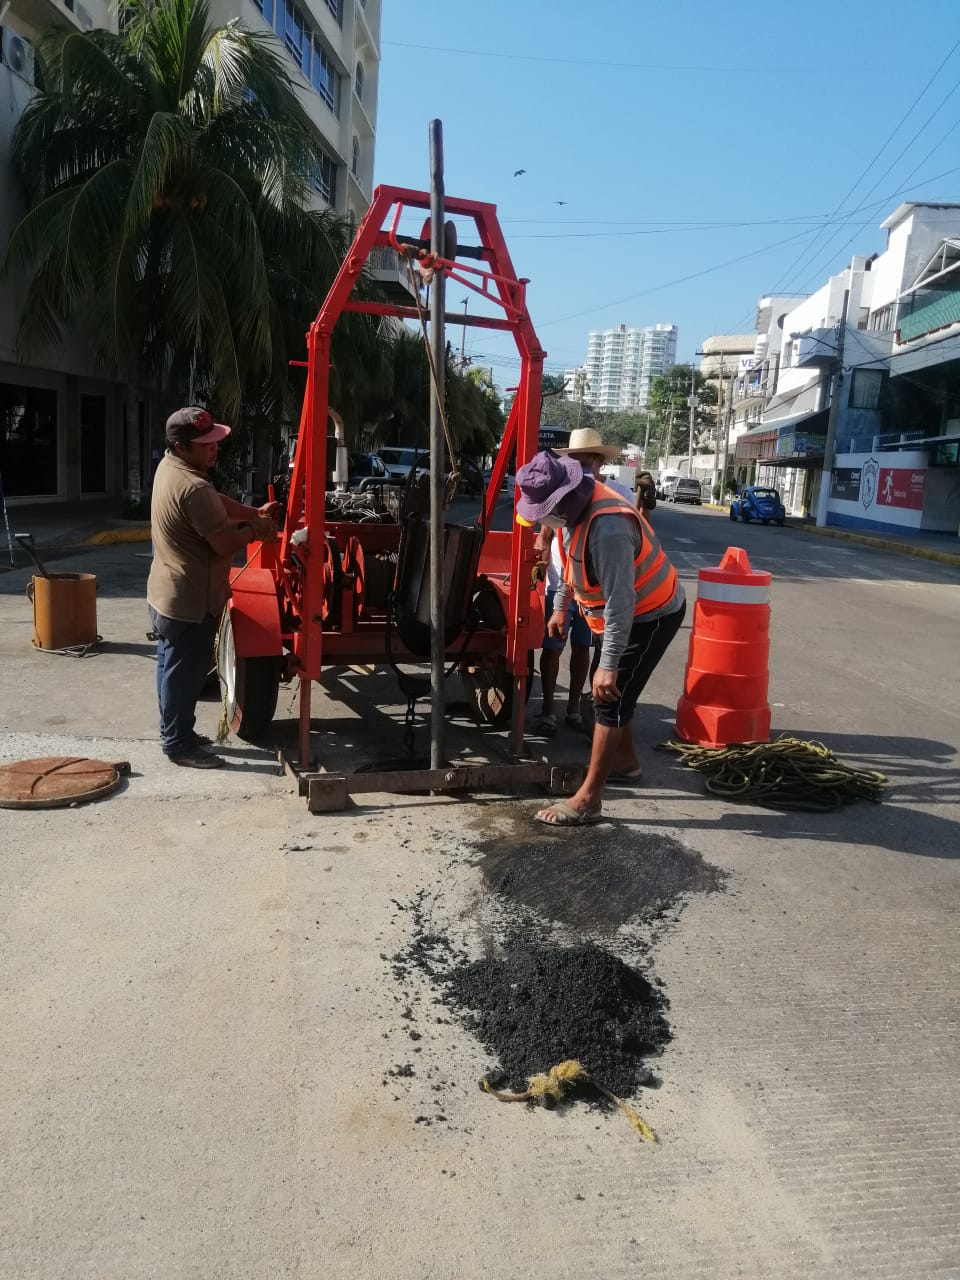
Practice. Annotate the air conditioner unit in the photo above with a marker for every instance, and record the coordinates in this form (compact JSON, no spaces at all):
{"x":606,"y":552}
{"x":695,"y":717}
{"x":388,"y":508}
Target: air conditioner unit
{"x":18,"y":54}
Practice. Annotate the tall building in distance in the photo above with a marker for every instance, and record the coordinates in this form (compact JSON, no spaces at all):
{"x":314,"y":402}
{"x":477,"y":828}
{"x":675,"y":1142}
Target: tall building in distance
{"x":622,"y":364}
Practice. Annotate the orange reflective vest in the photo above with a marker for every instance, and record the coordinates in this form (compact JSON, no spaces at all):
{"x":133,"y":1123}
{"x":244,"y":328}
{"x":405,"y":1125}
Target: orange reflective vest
{"x":655,"y":578}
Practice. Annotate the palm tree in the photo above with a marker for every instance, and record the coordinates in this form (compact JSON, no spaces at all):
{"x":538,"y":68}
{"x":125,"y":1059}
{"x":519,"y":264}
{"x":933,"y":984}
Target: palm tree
{"x":167,"y":172}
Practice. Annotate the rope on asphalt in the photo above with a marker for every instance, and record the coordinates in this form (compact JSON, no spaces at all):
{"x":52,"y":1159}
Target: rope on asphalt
{"x":787,"y":774}
{"x":550,"y":1087}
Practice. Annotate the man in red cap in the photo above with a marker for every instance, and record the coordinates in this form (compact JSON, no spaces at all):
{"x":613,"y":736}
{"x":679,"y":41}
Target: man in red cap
{"x":196,"y":532}
{"x":630,"y":596}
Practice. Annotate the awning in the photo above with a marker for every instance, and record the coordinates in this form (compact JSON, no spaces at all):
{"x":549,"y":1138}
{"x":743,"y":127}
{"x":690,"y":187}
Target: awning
{"x":791,"y":404}
{"x":796,"y":441}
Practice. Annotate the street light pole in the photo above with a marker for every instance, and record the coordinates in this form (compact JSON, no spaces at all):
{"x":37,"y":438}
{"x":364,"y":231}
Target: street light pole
{"x":463,"y":338}
{"x":829,"y":445}
{"x":693,"y":410}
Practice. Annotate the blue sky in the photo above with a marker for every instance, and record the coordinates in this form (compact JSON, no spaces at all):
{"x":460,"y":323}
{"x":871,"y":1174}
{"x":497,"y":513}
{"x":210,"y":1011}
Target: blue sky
{"x":681,"y":135}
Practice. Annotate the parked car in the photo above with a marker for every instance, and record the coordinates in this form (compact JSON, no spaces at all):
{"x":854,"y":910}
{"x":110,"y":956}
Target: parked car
{"x":686,"y":489}
{"x":400,"y":461}
{"x":758,"y":503}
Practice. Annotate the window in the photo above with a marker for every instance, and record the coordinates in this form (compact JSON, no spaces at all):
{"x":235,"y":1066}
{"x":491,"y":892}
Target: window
{"x":28,"y":440}
{"x":324,"y":77}
{"x":336,"y":8}
{"x":325,"y":178}
{"x":355,"y":157}
{"x":266,"y":7}
{"x":358,"y":82}
{"x":865,"y":388}
{"x":295,"y":36}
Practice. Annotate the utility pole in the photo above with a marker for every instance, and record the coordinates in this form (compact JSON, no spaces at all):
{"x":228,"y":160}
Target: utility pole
{"x":716,"y":443}
{"x":692,"y":402}
{"x":463,"y":339}
{"x":829,"y":445}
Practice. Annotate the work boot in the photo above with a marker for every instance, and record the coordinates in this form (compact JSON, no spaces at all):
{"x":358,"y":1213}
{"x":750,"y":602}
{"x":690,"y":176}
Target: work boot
{"x":196,"y":758}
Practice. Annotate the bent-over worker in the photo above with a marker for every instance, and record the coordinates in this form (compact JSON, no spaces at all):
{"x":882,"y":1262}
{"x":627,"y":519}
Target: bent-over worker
{"x":629,"y":594}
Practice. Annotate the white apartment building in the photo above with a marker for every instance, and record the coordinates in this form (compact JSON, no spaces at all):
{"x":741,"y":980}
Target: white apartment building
{"x":622,"y":363}
{"x":61,"y":418}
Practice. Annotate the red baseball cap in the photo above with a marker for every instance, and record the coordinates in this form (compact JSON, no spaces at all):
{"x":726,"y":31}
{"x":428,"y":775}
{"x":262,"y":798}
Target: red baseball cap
{"x":194,"y":426}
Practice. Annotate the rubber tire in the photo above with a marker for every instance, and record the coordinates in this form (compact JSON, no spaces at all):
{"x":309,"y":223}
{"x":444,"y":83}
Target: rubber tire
{"x":733,"y":514}
{"x":779,"y":524}
{"x":744,"y":517}
{"x":250,"y":686}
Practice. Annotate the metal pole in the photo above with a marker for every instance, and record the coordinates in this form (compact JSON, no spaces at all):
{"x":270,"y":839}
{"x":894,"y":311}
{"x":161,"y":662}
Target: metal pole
{"x":693,"y":414}
{"x":829,"y":445}
{"x":726,"y":441}
{"x":463,"y":338}
{"x":716,"y":443}
{"x":437,"y":453}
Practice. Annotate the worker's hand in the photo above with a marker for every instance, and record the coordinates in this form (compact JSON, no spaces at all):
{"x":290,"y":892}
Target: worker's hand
{"x":262,"y":528}
{"x":272,"y":510}
{"x":605,"y":686}
{"x":557,"y":624}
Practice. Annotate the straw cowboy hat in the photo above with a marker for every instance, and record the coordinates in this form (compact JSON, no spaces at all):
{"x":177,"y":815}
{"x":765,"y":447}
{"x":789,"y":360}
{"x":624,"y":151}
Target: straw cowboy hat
{"x":586,"y":440}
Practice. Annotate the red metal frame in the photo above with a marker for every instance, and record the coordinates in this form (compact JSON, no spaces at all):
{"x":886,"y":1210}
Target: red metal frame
{"x":506,"y":558}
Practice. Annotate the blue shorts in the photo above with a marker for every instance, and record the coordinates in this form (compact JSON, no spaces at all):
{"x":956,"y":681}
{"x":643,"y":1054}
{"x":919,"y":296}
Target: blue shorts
{"x":577,"y":630}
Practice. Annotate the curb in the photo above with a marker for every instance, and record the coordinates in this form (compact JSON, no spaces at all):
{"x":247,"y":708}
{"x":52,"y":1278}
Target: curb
{"x":882,"y":544}
{"x":107,"y":536}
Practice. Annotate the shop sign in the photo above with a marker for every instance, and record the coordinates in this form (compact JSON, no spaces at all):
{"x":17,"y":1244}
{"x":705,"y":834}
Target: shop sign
{"x":845,"y":483}
{"x":901,"y":487}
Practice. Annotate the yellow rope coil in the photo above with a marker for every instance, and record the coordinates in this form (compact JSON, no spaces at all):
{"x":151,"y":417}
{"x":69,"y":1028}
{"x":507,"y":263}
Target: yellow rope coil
{"x":554,"y":1083}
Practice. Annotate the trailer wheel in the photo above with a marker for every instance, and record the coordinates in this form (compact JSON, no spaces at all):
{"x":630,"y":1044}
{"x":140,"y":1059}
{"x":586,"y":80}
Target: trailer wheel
{"x":489,"y":689}
{"x":250,"y":685}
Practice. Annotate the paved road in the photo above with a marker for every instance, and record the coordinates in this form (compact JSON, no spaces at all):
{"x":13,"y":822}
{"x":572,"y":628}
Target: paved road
{"x":198,"y":1019}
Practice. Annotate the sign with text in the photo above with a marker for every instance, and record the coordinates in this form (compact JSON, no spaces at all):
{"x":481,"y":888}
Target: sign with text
{"x":553,"y":438}
{"x":845,"y":483}
{"x":901,"y":487}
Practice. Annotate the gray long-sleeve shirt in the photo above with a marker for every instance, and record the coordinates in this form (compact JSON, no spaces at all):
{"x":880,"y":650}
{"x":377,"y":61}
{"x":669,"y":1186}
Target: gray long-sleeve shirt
{"x":613,"y":544}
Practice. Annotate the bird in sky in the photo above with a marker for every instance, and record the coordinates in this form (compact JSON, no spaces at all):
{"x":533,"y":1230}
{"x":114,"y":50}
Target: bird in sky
{"x":559,"y":202}
{"x":517,"y":172}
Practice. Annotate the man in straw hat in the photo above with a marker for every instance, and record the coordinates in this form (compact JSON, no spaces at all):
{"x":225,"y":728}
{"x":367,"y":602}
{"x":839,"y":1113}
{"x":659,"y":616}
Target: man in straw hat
{"x":587,"y":447}
{"x":630,"y":596}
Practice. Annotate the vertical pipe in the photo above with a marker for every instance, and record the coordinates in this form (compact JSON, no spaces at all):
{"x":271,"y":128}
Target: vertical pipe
{"x":437,"y":453}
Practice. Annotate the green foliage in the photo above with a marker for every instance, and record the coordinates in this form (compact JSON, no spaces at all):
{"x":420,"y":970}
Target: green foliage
{"x":669,"y":402}
{"x":166,"y":171}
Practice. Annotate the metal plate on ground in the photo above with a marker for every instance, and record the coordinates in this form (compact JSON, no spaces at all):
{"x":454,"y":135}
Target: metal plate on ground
{"x":53,"y":782}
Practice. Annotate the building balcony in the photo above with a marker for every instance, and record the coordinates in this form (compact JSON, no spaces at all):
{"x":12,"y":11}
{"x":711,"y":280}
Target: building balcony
{"x":924,"y":313}
{"x":30,"y":17}
{"x":816,"y":349}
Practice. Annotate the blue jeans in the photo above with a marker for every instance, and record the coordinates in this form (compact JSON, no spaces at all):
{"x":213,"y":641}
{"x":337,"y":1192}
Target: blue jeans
{"x":184,"y":656}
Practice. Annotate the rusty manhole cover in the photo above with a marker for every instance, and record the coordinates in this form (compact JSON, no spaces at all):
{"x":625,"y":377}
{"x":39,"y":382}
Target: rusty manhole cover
{"x":53,"y":782}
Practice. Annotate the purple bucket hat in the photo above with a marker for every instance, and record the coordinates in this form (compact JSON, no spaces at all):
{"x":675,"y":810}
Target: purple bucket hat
{"x":544,"y":482}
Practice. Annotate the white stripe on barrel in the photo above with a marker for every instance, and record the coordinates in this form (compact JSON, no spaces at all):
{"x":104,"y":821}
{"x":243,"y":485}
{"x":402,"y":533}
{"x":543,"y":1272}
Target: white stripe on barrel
{"x":732,"y":592}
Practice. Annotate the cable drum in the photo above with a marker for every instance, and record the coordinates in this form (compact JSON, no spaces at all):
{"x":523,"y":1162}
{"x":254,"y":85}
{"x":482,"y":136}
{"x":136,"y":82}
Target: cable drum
{"x":787,"y":774}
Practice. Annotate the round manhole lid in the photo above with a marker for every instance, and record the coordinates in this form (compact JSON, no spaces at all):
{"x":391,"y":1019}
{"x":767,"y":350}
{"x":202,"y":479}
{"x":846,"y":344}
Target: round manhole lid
{"x":52,"y":782}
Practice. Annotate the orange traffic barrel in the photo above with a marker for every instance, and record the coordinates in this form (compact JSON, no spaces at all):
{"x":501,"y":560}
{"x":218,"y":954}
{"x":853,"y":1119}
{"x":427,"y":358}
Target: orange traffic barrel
{"x":725,"y":687}
{"x":64,"y":610}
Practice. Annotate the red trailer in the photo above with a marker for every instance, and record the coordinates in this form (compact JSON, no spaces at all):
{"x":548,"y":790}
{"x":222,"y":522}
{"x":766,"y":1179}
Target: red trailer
{"x":322,"y":595}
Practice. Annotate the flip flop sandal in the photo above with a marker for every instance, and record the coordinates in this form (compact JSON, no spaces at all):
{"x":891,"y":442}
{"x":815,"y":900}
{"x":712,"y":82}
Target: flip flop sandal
{"x":575,"y":720}
{"x":546,"y":724}
{"x":566,"y":816}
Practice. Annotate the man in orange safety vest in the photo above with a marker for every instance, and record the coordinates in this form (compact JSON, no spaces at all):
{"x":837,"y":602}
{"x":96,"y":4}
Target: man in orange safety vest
{"x":630,"y":596}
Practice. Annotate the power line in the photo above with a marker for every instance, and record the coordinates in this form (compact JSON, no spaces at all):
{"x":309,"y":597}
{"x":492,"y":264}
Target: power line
{"x":725,"y":69}
{"x":787,"y":275}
